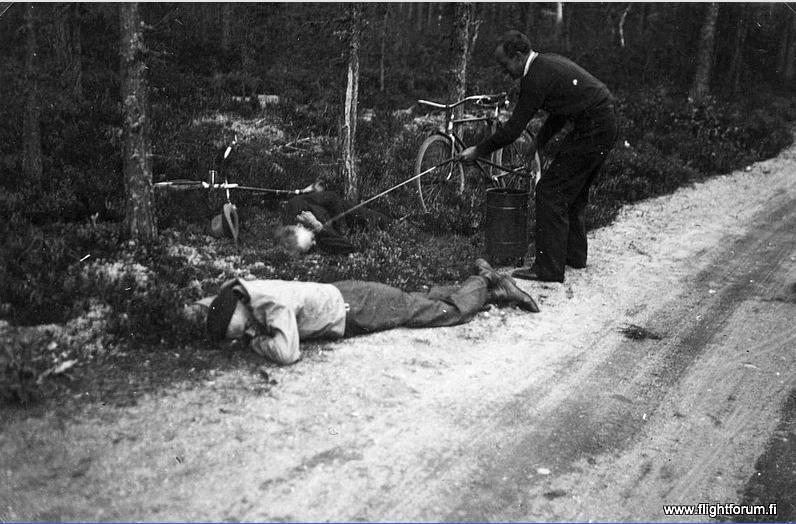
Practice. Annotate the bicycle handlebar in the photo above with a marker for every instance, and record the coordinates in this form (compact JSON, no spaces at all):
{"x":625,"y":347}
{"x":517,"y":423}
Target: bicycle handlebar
{"x":485,"y":100}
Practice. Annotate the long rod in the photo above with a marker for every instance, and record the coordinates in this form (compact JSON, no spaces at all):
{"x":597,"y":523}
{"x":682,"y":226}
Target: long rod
{"x":371,"y":199}
{"x":506,"y":170}
{"x":265,"y":190}
{"x":197,"y":184}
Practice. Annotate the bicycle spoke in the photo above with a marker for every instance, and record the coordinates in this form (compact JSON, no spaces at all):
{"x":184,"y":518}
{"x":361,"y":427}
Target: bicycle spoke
{"x":440,"y":187}
{"x":521,"y":160}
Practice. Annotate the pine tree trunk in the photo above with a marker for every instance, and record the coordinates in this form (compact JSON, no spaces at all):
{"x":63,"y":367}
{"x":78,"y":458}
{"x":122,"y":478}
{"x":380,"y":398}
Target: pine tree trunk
{"x":559,"y":24}
{"x":789,"y":71}
{"x":621,"y":26}
{"x":31,"y":125}
{"x":737,"y":64}
{"x":383,"y":45}
{"x":528,"y":6}
{"x":349,"y":130}
{"x":68,"y":47}
{"x":701,"y":86}
{"x":76,"y":78}
{"x":782,"y":52}
{"x":460,"y":42}
{"x":643,"y":22}
{"x":139,"y":215}
{"x":226,"y":26}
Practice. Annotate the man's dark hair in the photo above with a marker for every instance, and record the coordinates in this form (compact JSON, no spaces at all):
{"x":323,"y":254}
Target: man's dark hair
{"x":514,"y":42}
{"x":221,"y":310}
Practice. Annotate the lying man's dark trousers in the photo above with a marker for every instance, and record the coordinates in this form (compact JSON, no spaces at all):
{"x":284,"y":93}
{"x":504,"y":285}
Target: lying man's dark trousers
{"x":563,"y":192}
{"x":325,"y":205}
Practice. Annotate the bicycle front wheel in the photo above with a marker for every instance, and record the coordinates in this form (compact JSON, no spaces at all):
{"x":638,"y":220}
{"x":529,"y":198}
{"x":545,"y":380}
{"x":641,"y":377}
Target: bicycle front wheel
{"x":522,"y":158}
{"x":442,"y":187}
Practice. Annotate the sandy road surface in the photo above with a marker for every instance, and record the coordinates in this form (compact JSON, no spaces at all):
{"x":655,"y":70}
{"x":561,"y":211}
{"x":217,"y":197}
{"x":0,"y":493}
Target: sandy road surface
{"x":555,"y":416}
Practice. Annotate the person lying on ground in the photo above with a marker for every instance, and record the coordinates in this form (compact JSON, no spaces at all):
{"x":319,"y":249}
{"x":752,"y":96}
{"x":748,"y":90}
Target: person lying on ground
{"x":313,"y":208}
{"x":272,"y":316}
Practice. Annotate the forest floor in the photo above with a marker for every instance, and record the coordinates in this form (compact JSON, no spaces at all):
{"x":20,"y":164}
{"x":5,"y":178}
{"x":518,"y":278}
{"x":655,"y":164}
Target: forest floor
{"x":659,"y":374}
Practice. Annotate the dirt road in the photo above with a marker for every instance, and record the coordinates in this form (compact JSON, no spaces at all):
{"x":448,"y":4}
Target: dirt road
{"x":555,"y":416}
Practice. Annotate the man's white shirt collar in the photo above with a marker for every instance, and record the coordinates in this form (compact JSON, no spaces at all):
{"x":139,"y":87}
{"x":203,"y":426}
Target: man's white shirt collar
{"x":531,"y":57}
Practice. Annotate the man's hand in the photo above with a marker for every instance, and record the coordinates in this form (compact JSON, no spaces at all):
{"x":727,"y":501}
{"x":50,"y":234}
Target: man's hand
{"x":468,"y":156}
{"x":308,"y":220}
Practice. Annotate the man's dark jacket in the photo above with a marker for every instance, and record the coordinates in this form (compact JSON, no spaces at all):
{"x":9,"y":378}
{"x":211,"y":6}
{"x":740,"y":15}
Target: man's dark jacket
{"x":326,"y":205}
{"x":557,"y":85}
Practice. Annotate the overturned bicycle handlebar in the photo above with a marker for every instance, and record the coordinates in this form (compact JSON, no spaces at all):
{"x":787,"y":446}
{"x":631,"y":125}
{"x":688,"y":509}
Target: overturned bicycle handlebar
{"x":199,"y":184}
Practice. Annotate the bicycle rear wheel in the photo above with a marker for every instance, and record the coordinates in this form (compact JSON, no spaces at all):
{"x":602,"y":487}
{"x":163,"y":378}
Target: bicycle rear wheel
{"x":442,"y":187}
{"x":520,"y":155}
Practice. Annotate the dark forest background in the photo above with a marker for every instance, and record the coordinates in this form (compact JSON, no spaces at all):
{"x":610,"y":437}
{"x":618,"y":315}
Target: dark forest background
{"x":100,"y":100}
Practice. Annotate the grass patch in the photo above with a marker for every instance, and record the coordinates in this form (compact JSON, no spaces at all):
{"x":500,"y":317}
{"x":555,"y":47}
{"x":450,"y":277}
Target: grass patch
{"x":89,"y":296}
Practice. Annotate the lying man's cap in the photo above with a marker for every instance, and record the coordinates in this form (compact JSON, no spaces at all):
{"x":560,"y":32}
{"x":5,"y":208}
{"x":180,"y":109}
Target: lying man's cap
{"x":221,"y":310}
{"x":226,"y":223}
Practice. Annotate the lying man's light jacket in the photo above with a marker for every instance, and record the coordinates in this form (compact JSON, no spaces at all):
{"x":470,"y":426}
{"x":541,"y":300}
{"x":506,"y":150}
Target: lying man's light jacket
{"x":292,"y":311}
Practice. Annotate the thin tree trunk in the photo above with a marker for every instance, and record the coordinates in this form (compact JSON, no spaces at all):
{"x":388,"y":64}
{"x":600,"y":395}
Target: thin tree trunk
{"x":226,"y":26}
{"x":31,"y":125}
{"x":460,"y":41}
{"x":475,"y":25}
{"x":206,"y":16}
{"x":383,"y":45}
{"x":782,"y":52}
{"x":737,"y":64}
{"x":528,"y":6}
{"x":621,"y":27}
{"x":77,"y":53}
{"x":559,"y":24}
{"x":349,"y":130}
{"x":643,"y":22}
{"x":789,"y":71}
{"x":701,"y":86}
{"x":68,"y":48}
{"x":139,"y":215}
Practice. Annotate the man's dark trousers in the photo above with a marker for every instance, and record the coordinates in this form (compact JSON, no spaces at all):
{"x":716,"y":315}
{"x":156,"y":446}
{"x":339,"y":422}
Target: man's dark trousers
{"x":563,"y":192}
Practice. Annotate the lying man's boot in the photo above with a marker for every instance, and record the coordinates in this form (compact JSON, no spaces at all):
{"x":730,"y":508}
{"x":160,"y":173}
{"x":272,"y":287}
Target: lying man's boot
{"x":482,"y":268}
{"x":503,"y":290}
{"x":506,"y":292}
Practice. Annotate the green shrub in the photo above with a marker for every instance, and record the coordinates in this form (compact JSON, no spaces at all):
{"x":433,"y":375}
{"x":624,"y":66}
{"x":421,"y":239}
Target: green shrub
{"x":60,"y":260}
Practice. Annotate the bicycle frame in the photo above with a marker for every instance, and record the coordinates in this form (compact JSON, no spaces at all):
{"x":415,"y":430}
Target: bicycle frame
{"x":506,"y":167}
{"x":451,"y":123}
{"x":448,"y":130}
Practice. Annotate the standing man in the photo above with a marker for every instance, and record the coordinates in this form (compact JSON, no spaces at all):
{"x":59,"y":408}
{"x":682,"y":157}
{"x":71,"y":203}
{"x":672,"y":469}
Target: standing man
{"x":569,"y":94}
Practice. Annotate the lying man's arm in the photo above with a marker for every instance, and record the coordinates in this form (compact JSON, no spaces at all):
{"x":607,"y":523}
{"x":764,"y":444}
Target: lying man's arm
{"x":308,"y":220}
{"x":278,"y":339}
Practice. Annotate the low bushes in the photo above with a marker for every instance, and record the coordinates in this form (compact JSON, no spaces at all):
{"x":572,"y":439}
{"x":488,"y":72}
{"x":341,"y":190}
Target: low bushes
{"x":63,"y":258}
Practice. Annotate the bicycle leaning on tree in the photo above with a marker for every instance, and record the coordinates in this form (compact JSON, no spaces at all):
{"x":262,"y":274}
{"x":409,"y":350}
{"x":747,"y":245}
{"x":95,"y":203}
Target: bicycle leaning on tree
{"x":516,"y":166}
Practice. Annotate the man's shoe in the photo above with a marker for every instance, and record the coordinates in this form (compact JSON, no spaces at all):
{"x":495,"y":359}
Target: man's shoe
{"x":507,"y":293}
{"x":482,"y":268}
{"x":526,"y":273}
